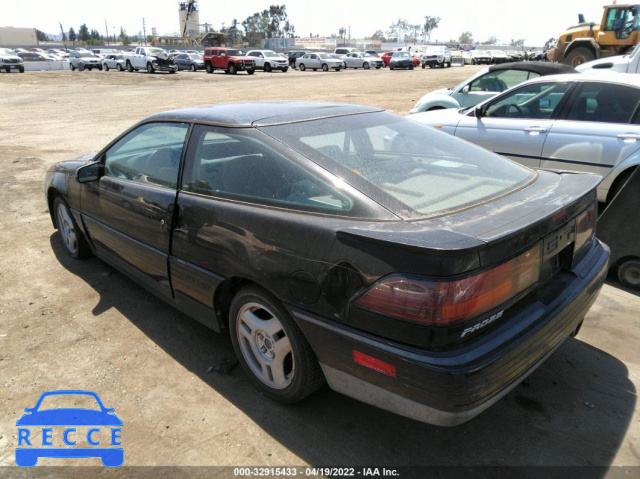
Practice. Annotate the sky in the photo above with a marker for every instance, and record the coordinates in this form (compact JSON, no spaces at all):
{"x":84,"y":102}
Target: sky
{"x":534,"y":21}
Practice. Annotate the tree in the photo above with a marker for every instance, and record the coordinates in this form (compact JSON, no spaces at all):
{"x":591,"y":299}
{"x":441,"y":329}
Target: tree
{"x":414,"y":30}
{"x":398,"y":30}
{"x":378,"y":35}
{"x":83,"y":33}
{"x":466,"y":37}
{"x":342,"y":32}
{"x":517,"y":43}
{"x":42,"y":37}
{"x":430,"y":24}
{"x":490,"y":41}
{"x":269,"y":23}
{"x":72,"y":35}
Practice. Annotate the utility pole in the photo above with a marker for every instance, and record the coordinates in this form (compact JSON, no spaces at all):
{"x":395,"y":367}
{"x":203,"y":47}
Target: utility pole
{"x":63,"y":36}
{"x":106,"y":29}
{"x":144,"y":31}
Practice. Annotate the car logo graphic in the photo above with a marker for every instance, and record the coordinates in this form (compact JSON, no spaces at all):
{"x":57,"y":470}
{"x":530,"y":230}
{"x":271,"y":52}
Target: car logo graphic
{"x":99,"y":420}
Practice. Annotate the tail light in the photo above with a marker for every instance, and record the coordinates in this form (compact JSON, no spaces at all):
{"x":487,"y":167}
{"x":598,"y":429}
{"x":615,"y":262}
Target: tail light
{"x":440,"y":303}
{"x":585,"y":227}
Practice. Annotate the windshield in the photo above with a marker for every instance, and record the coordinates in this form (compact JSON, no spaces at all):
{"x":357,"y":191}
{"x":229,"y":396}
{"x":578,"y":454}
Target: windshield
{"x":386,"y":156}
{"x":85,"y":54}
{"x":270,"y":54}
{"x":155,"y":51}
{"x":7,"y":51}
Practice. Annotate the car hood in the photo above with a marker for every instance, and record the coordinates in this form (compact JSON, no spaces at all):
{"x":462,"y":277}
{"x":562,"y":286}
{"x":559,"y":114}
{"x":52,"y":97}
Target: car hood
{"x":74,"y":164}
{"x":69,"y":417}
{"x":10,"y":57}
{"x":617,"y":63}
{"x":448,"y":117}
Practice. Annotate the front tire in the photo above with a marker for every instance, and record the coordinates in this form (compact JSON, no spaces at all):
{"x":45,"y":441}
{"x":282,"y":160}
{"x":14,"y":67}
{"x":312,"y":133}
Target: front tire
{"x":270,"y":347}
{"x":193,"y":67}
{"x":365,"y":65}
{"x":150,"y":68}
{"x":73,"y":239}
{"x":578,"y":56}
{"x":325,"y":67}
{"x":251,"y":71}
{"x":267,"y":67}
{"x":233,"y":69}
{"x":302,"y":67}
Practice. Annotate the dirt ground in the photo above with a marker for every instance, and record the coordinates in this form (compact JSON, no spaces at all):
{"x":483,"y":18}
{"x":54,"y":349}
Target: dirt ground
{"x":81,"y":325}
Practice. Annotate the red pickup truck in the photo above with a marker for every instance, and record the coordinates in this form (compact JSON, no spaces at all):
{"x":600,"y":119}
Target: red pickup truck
{"x":231,"y":60}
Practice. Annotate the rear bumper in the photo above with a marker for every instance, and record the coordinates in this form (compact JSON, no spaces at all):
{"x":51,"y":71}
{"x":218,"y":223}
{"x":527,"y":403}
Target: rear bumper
{"x":447,"y":388}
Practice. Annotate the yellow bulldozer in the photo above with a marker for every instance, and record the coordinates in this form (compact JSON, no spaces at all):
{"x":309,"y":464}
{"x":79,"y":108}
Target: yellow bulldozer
{"x":617,"y":34}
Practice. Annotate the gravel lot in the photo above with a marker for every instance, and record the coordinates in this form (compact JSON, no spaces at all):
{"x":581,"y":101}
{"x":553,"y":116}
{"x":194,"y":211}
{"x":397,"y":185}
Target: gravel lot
{"x":81,"y":325}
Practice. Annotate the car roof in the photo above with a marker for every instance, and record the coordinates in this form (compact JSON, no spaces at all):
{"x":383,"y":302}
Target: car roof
{"x":262,"y":113}
{"x":605,"y":77}
{"x":543,"y":68}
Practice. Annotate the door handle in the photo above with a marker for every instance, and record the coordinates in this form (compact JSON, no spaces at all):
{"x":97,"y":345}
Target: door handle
{"x":535,"y":129}
{"x":629,"y":136}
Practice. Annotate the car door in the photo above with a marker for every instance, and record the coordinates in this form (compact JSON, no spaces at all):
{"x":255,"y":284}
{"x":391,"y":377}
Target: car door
{"x":237,"y":197}
{"x":516,"y":124}
{"x":128,"y":211}
{"x":597,"y":132}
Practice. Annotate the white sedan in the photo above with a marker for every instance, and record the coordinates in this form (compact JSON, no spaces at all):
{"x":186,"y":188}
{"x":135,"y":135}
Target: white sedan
{"x":362,"y":60}
{"x":580,"y":123}
{"x":319,"y":60}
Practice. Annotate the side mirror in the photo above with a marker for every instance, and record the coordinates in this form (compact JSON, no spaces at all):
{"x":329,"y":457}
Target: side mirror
{"x":466,"y":89}
{"x":90,"y":172}
{"x":479,"y":112}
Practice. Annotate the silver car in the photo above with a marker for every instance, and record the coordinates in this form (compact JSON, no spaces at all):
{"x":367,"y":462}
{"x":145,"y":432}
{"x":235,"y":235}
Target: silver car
{"x":115,"y":61}
{"x":84,"y":60}
{"x":319,"y":60}
{"x":580,"y":123}
{"x":487,"y":83}
{"x":362,"y":60}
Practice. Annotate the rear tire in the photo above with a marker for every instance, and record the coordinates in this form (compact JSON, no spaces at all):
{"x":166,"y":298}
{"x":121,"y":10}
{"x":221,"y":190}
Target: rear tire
{"x":629,"y":274}
{"x":270,"y":347}
{"x":119,"y":67}
{"x":129,"y":67}
{"x":106,"y":67}
{"x":72,"y":237}
{"x":209,"y":68}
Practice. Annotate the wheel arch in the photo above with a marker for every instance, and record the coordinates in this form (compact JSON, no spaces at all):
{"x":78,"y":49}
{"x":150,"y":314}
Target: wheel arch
{"x":588,"y":43}
{"x":225,"y":292}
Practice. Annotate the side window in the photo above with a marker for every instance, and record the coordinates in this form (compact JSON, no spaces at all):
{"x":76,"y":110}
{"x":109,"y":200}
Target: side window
{"x":150,"y":154}
{"x":605,"y":103}
{"x":229,"y":164}
{"x":536,"y":101}
{"x":499,"y":81}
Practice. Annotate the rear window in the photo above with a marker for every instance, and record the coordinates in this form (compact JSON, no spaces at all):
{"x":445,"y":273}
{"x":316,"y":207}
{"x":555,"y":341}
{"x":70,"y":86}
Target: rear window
{"x":409,"y":168}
